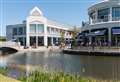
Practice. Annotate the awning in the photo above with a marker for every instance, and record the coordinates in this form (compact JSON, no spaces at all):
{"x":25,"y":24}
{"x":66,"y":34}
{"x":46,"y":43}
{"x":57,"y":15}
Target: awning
{"x":115,"y":31}
{"x":97,"y":33}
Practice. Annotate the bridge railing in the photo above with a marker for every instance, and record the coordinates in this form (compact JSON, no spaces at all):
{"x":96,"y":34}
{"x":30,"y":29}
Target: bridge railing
{"x":10,"y":44}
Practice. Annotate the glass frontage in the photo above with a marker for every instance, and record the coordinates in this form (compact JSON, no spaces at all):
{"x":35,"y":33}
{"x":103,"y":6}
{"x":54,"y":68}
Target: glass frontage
{"x":20,"y":30}
{"x":103,"y":15}
{"x":14,"y":31}
{"x":36,"y":41}
{"x":32,"y":28}
{"x":116,"y":36}
{"x":92,"y":16}
{"x":40,"y":28}
{"x":36,"y":28}
{"x":116,"y":13}
{"x":48,"y":29}
{"x":22,"y":41}
{"x":24,"y":32}
{"x":33,"y":41}
{"x":40,"y":41}
{"x":49,"y":41}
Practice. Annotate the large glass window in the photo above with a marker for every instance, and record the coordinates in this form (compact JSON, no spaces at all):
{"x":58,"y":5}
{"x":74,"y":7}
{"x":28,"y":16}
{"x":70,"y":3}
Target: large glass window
{"x":92,"y":16}
{"x":48,"y":29}
{"x":32,"y":28}
{"x":20,"y":31}
{"x":21,"y":40}
{"x":24,"y":32}
{"x":40,"y":28}
{"x":103,"y":15}
{"x":14,"y":31}
{"x":116,"y":13}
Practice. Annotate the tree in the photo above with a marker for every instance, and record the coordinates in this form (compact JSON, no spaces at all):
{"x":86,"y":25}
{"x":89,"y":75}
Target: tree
{"x":62,"y":33}
{"x":75,"y":31}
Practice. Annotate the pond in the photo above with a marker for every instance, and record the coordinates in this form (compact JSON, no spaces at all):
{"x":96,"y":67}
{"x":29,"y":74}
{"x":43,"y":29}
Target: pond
{"x":98,"y":67}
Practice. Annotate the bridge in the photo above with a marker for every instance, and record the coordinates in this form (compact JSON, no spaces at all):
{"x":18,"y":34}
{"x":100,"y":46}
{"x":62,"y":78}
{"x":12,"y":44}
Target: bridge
{"x":9,"y":47}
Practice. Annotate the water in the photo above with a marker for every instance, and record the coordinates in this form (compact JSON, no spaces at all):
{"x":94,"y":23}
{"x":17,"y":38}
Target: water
{"x":98,"y":67}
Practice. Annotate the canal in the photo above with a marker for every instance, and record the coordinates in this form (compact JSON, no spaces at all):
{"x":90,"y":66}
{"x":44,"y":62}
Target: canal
{"x":97,"y":67}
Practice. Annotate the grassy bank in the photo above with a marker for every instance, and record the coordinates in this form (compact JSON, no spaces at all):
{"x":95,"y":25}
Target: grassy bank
{"x":43,"y":76}
{"x":54,"y":77}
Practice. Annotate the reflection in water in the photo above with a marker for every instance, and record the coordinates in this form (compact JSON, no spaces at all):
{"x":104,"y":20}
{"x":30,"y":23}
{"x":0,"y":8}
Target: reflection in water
{"x":2,"y":61}
{"x":101,"y":67}
{"x":89,"y":66}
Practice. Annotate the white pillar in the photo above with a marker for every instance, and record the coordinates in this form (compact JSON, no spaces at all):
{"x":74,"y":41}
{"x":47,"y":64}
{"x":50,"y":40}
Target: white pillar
{"x":36,"y":37}
{"x":45,"y":35}
{"x":109,"y":34}
{"x":52,"y":41}
{"x":110,"y":16}
{"x":90,"y":20}
{"x":27,"y":34}
{"x":96,"y":15}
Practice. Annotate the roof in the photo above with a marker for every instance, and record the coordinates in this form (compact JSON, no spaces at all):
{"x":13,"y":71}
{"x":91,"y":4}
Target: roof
{"x":58,"y":24}
{"x":36,"y":12}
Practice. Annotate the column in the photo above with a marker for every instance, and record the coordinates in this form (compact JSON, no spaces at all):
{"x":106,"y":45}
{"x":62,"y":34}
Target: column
{"x":45,"y":35}
{"x":109,"y":34}
{"x":27,"y":34}
{"x":89,"y":20}
{"x":110,"y":16}
{"x":96,"y":16}
{"x":45,"y":41}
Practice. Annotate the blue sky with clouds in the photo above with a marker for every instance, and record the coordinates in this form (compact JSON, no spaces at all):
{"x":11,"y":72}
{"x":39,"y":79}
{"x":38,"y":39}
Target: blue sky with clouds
{"x":65,"y":11}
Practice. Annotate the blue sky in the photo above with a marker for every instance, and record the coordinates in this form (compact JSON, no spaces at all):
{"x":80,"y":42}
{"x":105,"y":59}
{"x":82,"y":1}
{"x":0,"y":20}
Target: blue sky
{"x":65,"y":11}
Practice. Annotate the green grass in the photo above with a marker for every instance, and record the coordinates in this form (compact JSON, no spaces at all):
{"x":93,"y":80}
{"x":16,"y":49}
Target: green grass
{"x":3,"y":70}
{"x":43,"y":76}
{"x":38,"y":76}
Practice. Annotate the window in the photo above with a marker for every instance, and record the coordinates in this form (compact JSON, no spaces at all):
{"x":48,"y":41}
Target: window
{"x":103,"y":15}
{"x":20,"y":31}
{"x":52,"y":30}
{"x":40,"y":28}
{"x":21,"y":40}
{"x":14,"y":31}
{"x":92,"y":15}
{"x":116,"y":13}
{"x":48,"y":29}
{"x":32,"y":28}
{"x":24,"y":31}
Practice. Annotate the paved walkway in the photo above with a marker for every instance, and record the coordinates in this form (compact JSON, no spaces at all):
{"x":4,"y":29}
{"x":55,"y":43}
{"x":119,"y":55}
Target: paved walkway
{"x":98,"y":49}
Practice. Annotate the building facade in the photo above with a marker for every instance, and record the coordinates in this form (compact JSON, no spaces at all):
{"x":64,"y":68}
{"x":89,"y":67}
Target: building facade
{"x":104,"y":23}
{"x":38,"y":30}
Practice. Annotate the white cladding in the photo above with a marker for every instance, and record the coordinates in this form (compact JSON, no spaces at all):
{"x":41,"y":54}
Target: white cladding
{"x":36,"y":17}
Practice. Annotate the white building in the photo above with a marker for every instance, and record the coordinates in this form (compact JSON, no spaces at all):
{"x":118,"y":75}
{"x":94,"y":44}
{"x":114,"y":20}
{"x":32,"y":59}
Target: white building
{"x":38,"y":30}
{"x":104,"y":22}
